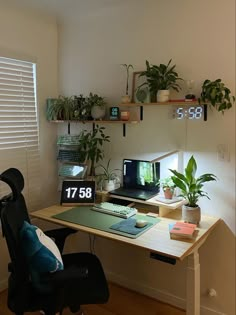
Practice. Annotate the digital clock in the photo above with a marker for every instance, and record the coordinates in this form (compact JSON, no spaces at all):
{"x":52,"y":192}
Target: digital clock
{"x":75,"y":192}
{"x":196,"y":112}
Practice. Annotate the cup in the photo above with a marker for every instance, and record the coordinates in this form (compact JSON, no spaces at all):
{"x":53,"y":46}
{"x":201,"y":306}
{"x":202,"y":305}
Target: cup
{"x":124,"y":115}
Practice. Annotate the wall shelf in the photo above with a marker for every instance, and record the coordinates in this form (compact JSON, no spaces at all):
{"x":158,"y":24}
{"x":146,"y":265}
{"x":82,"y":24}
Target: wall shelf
{"x":180,"y":102}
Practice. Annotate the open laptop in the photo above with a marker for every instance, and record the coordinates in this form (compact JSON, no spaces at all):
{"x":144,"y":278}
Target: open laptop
{"x":140,"y":179}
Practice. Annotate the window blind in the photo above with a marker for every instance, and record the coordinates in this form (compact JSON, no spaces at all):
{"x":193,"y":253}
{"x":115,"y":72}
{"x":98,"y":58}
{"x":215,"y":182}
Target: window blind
{"x":19,"y":138}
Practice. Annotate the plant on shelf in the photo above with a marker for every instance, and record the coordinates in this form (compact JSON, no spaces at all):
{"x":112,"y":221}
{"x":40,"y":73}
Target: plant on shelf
{"x":168,"y":187}
{"x":217,"y":95}
{"x":126,"y":98}
{"x":82,"y":111}
{"x":90,"y":143}
{"x":160,"y":78}
{"x":97,"y":105}
{"x":61,"y":108}
{"x":191,"y":189}
{"x":109,"y":176}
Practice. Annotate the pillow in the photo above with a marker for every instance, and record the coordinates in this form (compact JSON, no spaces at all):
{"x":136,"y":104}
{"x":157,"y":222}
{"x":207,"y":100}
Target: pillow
{"x":42,"y":253}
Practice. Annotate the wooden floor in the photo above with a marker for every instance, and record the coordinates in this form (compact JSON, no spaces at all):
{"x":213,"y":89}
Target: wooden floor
{"x":121,"y":302}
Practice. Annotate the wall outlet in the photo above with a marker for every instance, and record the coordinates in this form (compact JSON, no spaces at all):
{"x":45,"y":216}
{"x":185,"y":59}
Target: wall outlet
{"x":223,"y":153}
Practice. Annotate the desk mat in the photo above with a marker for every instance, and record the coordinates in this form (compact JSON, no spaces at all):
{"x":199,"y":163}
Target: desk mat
{"x":84,"y":215}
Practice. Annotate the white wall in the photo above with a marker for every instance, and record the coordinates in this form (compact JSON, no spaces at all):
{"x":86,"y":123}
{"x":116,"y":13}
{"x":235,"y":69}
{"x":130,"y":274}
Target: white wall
{"x":200,"y":38}
{"x":30,"y":36}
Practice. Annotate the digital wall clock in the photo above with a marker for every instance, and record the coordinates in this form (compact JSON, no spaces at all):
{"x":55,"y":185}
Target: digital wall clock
{"x":75,"y":192}
{"x":196,"y":112}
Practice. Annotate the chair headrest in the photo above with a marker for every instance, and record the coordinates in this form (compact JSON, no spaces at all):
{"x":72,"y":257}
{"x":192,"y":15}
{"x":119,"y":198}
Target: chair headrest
{"x":14,"y":178}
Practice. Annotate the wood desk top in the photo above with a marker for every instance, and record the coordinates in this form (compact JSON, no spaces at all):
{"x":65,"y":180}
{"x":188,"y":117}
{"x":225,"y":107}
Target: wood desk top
{"x":156,"y":240}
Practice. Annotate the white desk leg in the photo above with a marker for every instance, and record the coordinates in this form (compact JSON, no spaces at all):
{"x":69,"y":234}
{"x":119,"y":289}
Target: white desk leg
{"x":193,"y":285}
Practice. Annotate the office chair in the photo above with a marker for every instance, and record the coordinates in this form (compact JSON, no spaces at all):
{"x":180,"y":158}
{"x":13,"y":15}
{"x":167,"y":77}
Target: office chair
{"x":82,"y":281}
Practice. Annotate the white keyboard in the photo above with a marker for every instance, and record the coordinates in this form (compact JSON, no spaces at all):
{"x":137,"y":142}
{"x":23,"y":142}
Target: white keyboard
{"x":114,"y":209}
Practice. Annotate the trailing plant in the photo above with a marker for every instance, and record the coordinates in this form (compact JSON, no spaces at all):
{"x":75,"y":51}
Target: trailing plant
{"x":190,"y":185}
{"x":162,"y":77}
{"x":217,"y":94}
{"x":127,"y":68}
{"x":90,"y":143}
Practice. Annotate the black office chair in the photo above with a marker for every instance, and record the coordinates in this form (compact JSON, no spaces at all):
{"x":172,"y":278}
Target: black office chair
{"x":81,"y":282}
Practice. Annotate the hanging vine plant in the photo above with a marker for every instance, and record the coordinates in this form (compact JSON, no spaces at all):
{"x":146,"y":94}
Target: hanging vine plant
{"x":217,"y":95}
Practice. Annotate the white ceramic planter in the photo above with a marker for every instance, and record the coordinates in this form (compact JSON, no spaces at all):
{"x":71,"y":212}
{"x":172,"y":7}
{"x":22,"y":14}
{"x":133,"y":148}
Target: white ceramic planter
{"x":191,"y":215}
{"x":98,"y":112}
{"x":125,"y":99}
{"x":109,"y":185}
{"x":163,"y":95}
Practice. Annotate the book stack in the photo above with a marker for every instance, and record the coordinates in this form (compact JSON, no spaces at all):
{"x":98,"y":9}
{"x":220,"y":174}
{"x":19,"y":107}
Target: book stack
{"x":182,"y":230}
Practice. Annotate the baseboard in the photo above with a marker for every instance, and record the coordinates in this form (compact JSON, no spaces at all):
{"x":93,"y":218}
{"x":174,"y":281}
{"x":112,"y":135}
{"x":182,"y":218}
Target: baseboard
{"x":155,"y":293}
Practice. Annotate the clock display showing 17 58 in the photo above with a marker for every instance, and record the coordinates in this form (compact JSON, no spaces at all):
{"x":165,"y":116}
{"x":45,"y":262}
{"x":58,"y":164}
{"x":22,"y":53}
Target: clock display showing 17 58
{"x":196,"y":112}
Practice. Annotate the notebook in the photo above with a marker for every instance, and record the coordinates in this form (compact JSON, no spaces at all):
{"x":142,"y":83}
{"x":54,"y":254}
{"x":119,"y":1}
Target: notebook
{"x":140,"y":179}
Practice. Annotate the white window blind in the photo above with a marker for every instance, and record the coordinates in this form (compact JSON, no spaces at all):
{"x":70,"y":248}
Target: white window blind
{"x":19,"y":139}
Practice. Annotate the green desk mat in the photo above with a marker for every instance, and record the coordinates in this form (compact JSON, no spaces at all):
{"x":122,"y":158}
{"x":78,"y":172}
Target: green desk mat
{"x":84,"y":215}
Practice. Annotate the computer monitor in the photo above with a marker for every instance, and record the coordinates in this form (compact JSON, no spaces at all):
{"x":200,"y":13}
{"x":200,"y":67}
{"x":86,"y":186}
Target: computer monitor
{"x":141,"y":174}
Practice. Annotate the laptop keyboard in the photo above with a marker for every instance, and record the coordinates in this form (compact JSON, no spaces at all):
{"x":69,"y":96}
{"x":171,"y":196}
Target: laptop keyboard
{"x":114,"y":209}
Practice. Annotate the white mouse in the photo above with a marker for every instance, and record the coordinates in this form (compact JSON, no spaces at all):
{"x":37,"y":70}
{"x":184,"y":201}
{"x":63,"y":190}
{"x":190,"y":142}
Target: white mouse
{"x":141,"y":223}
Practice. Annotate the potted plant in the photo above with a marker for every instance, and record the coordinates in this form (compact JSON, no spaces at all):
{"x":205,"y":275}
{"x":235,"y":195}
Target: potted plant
{"x":61,"y":108}
{"x":109,"y":176}
{"x":191,"y":188}
{"x":217,"y":95}
{"x":82,"y":111}
{"x":90,"y":144}
{"x":168,"y":187}
{"x":161,"y":78}
{"x":97,"y":105}
{"x":126,"y":98}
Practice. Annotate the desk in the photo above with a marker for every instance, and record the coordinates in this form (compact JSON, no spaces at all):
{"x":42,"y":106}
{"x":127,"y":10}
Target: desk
{"x":155,"y":240}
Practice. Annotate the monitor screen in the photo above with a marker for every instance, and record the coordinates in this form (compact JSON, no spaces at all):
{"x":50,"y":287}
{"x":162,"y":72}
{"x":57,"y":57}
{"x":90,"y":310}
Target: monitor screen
{"x":141,"y":174}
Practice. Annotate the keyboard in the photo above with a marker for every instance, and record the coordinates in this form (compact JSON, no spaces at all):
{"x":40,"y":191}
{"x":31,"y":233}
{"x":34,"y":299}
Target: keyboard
{"x":114,"y":209}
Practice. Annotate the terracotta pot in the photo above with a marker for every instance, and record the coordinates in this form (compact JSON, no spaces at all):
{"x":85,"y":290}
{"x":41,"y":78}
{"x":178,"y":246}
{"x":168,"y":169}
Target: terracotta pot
{"x":168,"y":193}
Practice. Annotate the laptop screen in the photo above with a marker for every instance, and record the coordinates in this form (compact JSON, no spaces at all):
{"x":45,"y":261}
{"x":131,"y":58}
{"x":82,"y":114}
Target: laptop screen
{"x":141,"y":174}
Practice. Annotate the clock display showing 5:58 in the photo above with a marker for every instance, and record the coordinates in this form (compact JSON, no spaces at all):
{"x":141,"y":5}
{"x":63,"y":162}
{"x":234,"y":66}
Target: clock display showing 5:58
{"x":190,"y":112}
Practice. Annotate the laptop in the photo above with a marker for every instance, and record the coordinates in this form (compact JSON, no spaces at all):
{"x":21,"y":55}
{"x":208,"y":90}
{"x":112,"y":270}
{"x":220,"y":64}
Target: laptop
{"x":140,"y":179}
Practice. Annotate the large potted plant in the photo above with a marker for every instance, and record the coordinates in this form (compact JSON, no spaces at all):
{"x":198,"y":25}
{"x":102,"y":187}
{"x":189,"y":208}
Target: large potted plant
{"x":108,"y":177}
{"x":161,"y":78}
{"x":90,"y":144}
{"x":217,"y":95}
{"x":191,"y":188}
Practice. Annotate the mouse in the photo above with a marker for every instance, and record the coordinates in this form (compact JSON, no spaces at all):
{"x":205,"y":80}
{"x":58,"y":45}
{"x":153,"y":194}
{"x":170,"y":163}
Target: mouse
{"x":141,"y":223}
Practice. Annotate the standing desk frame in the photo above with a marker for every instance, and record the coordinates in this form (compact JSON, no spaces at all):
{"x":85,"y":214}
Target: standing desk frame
{"x":155,"y":240}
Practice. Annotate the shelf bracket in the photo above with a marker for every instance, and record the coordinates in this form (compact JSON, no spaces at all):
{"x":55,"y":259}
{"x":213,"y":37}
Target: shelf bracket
{"x":205,"y":112}
{"x":141,"y":112}
{"x":124,"y":130}
{"x":68,"y":128}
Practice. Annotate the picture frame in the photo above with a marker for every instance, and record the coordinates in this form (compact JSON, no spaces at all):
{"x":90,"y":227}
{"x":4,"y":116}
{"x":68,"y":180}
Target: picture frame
{"x":139,"y":95}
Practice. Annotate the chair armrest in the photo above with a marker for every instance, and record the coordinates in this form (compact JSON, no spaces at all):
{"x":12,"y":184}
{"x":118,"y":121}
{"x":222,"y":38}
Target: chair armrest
{"x":59,"y":236}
